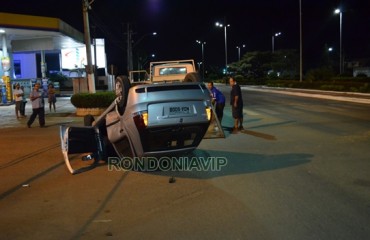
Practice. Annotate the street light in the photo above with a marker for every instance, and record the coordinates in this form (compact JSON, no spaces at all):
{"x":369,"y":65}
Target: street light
{"x":152,"y":56}
{"x":142,"y":37}
{"x":224,"y":26}
{"x":202,"y":44}
{"x":300,"y":43}
{"x":338,"y":11}
{"x":273,"y":40}
{"x":243,"y":46}
{"x":131,"y":46}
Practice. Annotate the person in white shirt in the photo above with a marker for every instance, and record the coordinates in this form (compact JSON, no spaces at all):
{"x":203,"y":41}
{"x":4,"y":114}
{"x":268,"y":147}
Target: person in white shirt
{"x":18,"y":97}
{"x":37,"y":100}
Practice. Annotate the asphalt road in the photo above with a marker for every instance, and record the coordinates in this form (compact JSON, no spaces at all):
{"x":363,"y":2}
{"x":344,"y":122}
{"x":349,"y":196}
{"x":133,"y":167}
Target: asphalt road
{"x":300,"y":170}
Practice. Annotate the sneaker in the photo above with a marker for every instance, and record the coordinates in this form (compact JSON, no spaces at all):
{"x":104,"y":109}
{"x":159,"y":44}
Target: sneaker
{"x":234,"y":131}
{"x":28,"y":125}
{"x":42,"y":126}
{"x":240,"y":128}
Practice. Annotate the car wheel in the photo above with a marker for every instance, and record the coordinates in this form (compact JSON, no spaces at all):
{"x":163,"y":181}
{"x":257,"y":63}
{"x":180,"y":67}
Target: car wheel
{"x":192,"y":77}
{"x":122,"y":87}
{"x":88,"y":120}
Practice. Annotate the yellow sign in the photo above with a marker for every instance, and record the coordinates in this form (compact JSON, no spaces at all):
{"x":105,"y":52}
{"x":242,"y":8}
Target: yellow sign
{"x":8,"y":87}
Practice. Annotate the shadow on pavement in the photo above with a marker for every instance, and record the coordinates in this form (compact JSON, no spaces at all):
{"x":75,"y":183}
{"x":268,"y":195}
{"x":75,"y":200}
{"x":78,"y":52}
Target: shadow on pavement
{"x":211,"y":164}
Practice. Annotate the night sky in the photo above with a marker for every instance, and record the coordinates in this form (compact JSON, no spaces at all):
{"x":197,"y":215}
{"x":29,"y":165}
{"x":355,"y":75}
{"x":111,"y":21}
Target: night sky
{"x":179,"y":23}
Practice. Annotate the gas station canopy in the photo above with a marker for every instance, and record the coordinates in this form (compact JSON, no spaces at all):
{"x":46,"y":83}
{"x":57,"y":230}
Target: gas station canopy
{"x":35,"y":33}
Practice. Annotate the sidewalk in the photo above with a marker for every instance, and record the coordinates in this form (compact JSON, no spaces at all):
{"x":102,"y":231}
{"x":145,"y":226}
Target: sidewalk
{"x":65,"y":113}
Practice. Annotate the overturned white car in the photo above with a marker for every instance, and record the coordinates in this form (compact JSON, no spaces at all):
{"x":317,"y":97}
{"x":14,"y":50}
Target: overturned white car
{"x":169,"y":113}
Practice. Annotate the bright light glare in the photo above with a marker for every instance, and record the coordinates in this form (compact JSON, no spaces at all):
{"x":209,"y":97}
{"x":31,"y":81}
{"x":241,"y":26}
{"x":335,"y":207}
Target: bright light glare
{"x":208,"y":111}
{"x":336,"y":11}
{"x":145,"y":118}
{"x":219,"y":24}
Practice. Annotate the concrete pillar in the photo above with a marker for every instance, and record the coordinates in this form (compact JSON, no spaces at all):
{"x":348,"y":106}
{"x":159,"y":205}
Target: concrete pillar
{"x":5,"y":64}
{"x":43,"y":65}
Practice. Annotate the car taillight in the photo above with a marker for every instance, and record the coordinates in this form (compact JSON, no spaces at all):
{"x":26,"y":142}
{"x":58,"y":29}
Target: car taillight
{"x":209,"y":111}
{"x":141,"y":119}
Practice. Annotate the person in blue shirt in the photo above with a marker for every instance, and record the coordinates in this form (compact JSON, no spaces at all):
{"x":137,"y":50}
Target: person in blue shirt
{"x":218,"y":99}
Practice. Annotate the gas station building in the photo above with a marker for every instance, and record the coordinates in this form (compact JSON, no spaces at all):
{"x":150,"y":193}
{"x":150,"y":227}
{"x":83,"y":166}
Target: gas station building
{"x":25,"y":40}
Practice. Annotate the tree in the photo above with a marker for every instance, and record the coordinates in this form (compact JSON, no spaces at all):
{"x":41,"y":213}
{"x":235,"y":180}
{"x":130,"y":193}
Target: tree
{"x":261,"y":64}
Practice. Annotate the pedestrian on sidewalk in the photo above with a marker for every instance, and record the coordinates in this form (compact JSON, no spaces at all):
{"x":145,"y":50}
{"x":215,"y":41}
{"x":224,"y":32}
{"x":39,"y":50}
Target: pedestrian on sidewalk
{"x":236,"y":102}
{"x":51,"y":96}
{"x":23,"y":105}
{"x":18,"y":97}
{"x":37,"y":100}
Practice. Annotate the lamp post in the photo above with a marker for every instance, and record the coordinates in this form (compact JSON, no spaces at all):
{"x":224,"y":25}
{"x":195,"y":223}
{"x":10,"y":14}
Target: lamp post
{"x":203,"y":66}
{"x":131,"y":46}
{"x":338,"y":11}
{"x":243,"y":46}
{"x":225,"y":26}
{"x":142,"y":37}
{"x":273,"y":40}
{"x":300,"y":43}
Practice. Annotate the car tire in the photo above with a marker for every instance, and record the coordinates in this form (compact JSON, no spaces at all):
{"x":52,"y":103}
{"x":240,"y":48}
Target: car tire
{"x":122,"y":87}
{"x":88,"y":120}
{"x":192,"y":77}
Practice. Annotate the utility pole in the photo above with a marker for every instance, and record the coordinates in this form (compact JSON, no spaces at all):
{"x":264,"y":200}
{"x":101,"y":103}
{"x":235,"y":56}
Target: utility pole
{"x":89,"y":69}
{"x":129,"y":49}
{"x":300,"y":42}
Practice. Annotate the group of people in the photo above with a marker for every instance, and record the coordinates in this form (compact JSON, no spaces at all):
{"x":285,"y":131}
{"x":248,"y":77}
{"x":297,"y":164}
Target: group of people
{"x":236,"y":102}
{"x":37,"y":101}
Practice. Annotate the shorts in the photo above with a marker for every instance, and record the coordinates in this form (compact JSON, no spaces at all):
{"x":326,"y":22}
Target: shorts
{"x":52,"y":99}
{"x":237,"y":112}
{"x":18,"y":105}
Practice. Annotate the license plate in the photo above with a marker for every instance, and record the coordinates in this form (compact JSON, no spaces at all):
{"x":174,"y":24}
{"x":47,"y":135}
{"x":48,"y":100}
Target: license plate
{"x":179,"y":110}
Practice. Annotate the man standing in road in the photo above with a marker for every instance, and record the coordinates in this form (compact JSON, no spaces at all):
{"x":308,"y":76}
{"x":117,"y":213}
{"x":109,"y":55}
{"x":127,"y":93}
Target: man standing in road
{"x":37,"y":100}
{"x":218,"y":99}
{"x":236,"y":102}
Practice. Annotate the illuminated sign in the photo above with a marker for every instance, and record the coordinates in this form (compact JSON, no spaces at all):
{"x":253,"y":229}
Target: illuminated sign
{"x":73,"y":58}
{"x":5,"y":63}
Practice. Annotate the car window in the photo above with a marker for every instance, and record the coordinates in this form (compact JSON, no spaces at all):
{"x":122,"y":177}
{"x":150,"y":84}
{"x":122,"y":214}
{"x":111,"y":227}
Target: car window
{"x":172,"y":70}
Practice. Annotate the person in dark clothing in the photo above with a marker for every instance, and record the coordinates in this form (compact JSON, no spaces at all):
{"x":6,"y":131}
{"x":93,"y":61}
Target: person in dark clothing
{"x":51,"y":96}
{"x":236,"y":102}
{"x":23,"y":105}
{"x":218,"y":99}
{"x":37,"y":100}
